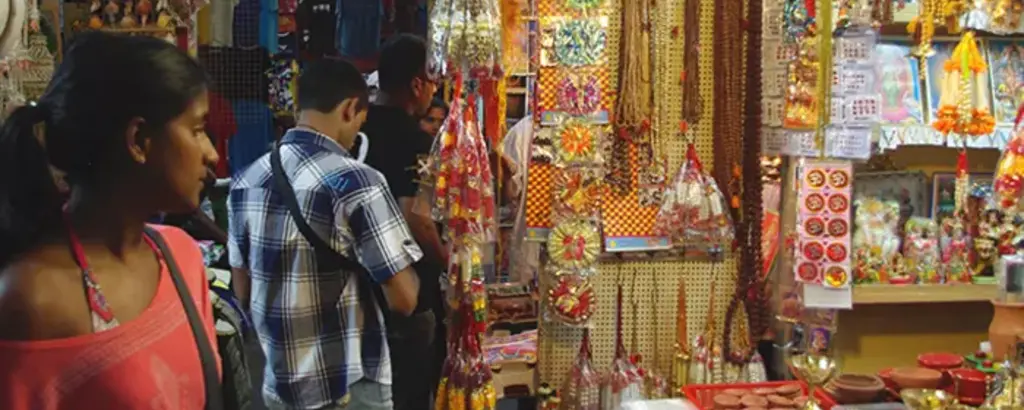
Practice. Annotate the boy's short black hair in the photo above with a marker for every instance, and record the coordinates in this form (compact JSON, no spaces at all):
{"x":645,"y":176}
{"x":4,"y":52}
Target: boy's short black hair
{"x":439,"y":103}
{"x":402,"y":59}
{"x":327,"y":82}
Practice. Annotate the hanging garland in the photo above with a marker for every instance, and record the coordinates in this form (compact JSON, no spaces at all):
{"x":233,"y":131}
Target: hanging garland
{"x":749,"y":289}
{"x":633,"y":108}
{"x":728,"y":119}
{"x":693,"y":105}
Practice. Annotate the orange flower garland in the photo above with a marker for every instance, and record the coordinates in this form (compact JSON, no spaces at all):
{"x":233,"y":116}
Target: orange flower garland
{"x":956,"y":115}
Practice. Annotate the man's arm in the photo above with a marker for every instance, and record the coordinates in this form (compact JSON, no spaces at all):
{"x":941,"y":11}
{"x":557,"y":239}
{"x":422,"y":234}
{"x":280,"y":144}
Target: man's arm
{"x":383,"y":244}
{"x":238,"y":250}
{"x":424,"y":231}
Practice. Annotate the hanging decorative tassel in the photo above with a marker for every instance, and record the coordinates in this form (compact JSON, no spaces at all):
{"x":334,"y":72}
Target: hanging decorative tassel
{"x":963,"y":184}
{"x":959,"y":112}
{"x":623,"y":384}
{"x":681,"y":360}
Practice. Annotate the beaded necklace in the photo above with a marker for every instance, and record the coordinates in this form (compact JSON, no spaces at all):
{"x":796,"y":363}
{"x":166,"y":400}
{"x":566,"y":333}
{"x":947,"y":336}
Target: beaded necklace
{"x":693,"y":105}
{"x":633,"y":108}
{"x":728,"y":83}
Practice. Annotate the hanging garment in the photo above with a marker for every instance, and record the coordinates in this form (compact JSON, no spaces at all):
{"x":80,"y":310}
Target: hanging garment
{"x":268,"y":24}
{"x":358,"y":27}
{"x":255,"y":133}
{"x":221,"y":126}
{"x":316,"y":20}
{"x":222,"y":17}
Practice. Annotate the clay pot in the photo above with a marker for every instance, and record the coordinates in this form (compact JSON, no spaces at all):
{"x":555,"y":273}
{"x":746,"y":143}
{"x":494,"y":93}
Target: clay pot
{"x":940,"y":361}
{"x":916,"y":378}
{"x":856,"y":388}
{"x":886,"y":376}
{"x":1007,"y":323}
{"x":969,"y":386}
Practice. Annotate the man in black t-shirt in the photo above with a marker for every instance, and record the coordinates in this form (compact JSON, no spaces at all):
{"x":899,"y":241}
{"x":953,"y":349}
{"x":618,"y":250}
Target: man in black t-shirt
{"x":398,"y":148}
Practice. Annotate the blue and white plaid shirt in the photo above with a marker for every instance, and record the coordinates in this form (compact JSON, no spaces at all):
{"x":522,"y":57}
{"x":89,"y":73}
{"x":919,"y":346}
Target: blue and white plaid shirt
{"x":309,"y":319}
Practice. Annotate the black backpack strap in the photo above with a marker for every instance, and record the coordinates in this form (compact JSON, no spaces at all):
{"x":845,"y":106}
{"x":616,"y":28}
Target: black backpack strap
{"x":208,"y":359}
{"x":324,"y":251}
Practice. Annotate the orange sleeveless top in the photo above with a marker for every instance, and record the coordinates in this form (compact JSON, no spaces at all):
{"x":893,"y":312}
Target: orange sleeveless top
{"x":150,"y":362}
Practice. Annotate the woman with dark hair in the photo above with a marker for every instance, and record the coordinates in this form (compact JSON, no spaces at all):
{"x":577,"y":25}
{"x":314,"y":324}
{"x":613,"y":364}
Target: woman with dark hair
{"x":97,"y":309}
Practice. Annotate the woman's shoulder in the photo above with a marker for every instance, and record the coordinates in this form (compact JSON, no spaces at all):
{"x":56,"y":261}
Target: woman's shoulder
{"x":185,"y":252}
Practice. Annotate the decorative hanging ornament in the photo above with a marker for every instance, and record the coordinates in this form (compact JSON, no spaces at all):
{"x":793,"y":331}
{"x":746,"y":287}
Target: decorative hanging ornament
{"x":572,"y":299}
{"x":584,"y":4}
{"x":577,"y":142}
{"x":579,"y":94}
{"x":580,"y":43}
{"x":1009,"y":177}
{"x":958,"y":111}
{"x":577,"y":191}
{"x":465,"y":36}
{"x":574,"y":244}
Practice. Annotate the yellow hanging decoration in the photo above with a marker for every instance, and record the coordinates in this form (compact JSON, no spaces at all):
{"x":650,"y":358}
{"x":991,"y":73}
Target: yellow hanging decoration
{"x":960,"y":112}
{"x":922,"y":28}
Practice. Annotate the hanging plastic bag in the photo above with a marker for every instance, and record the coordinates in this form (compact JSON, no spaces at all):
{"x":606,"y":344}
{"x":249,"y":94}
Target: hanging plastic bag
{"x":582,"y":390}
{"x":1009,"y":178}
{"x":695,"y":213}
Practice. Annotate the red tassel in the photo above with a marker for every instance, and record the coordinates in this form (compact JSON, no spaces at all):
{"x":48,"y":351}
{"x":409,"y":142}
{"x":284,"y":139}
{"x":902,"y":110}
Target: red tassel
{"x":961,"y":163}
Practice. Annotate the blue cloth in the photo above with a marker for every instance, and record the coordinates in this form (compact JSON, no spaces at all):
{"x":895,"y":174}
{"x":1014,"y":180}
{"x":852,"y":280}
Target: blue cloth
{"x":305,"y":314}
{"x":254,"y":133}
{"x":268,"y":25}
{"x":358,"y":28}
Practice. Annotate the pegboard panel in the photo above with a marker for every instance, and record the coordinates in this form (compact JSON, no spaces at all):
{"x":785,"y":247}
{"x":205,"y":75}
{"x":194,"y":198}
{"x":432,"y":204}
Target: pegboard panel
{"x":622,"y":215}
{"x":656,"y":282}
{"x":539,"y":179}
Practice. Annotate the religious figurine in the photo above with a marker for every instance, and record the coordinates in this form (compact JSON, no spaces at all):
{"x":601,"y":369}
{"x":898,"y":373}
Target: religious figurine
{"x":128,"y":18}
{"x":875,"y":241}
{"x":142,"y":10}
{"x":985,"y":255}
{"x":956,"y":252}
{"x":921,"y":251}
{"x":110,"y":11}
{"x":94,"y":6}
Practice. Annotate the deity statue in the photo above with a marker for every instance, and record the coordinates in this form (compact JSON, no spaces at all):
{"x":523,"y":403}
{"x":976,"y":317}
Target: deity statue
{"x":921,"y":251}
{"x":955,"y":252}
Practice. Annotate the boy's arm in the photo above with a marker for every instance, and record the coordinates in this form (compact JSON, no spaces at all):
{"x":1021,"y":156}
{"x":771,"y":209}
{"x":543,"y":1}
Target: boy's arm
{"x":383,"y":243}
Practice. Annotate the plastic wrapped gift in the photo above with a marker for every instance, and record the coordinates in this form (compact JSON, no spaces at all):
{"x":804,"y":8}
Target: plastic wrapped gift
{"x":465,"y":36}
{"x":695,"y":212}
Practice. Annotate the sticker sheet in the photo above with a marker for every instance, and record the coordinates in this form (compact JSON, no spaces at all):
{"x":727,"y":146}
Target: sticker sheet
{"x":823,"y":251}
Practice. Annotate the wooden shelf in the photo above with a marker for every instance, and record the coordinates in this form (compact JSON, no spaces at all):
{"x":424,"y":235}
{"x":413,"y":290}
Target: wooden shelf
{"x":895,"y":294}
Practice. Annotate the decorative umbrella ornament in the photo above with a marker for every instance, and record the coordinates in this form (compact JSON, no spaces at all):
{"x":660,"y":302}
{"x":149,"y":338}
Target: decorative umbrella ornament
{"x":959,"y":112}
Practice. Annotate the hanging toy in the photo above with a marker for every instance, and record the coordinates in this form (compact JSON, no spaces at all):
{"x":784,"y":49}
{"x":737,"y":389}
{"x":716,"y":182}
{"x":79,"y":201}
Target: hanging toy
{"x":959,"y":111}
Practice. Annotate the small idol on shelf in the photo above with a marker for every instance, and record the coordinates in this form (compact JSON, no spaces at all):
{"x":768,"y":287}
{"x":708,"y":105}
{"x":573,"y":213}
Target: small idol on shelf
{"x":1009,"y":234}
{"x":985,"y":254}
{"x":921,"y":251}
{"x":110,"y":11}
{"x":143,"y":9}
{"x":956,"y":267}
{"x":128,"y":18}
{"x":875,"y":241}
{"x":163,"y":14}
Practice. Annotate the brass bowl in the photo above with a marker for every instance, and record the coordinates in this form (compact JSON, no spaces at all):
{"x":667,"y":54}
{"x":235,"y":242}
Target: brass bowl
{"x":927,"y":399}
